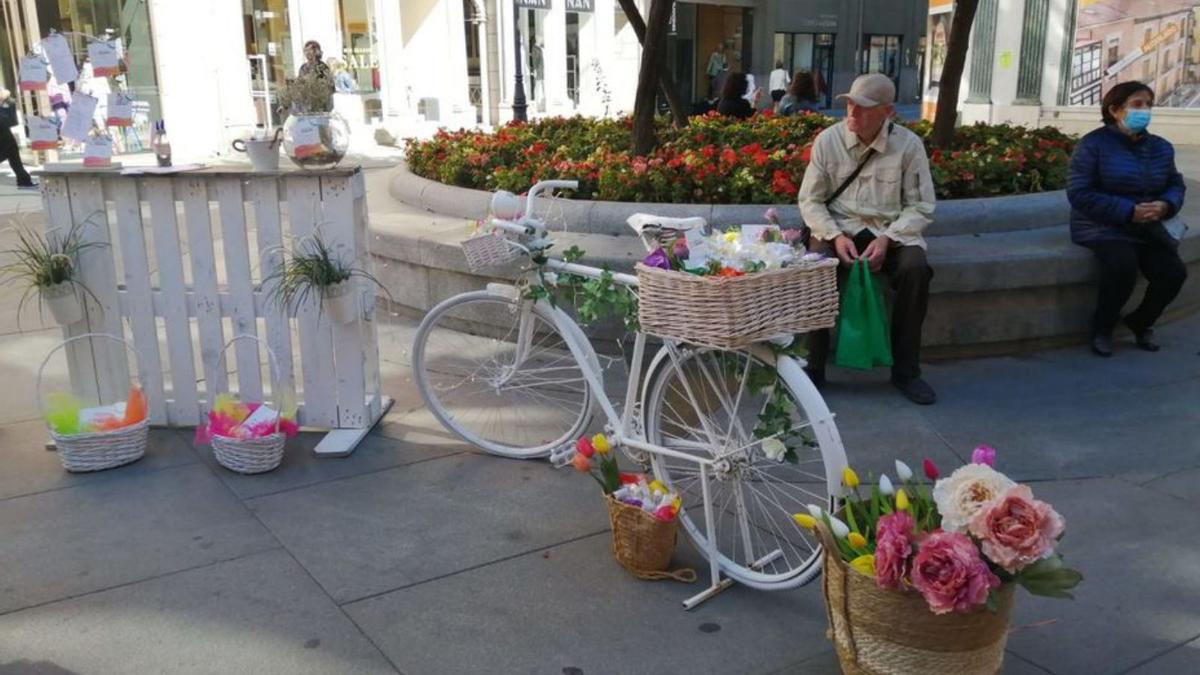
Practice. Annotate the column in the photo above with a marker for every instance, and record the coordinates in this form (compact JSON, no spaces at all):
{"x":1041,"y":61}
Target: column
{"x":391,"y":63}
{"x":317,"y":20}
{"x":454,"y":91}
{"x":200,"y":47}
{"x":1033,"y":49}
{"x":557,"y":101}
{"x":983,"y":48}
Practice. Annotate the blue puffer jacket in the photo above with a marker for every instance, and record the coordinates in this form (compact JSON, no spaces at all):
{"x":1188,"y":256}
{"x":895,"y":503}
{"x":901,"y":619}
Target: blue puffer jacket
{"x":1111,"y":173}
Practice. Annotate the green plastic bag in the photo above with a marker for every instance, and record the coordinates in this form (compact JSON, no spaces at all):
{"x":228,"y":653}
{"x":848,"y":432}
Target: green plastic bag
{"x":863,"y":340}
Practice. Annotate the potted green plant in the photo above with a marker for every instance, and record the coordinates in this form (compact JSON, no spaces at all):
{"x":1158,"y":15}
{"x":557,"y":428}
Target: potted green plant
{"x":314,"y":137}
{"x":47,"y":264}
{"x":313,"y":273}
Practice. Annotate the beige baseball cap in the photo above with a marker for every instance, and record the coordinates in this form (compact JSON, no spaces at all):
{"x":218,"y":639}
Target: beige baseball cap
{"x":871,"y":90}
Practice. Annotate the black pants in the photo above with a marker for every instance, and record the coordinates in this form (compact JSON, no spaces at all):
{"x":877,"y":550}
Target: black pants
{"x":9,"y":150}
{"x":1119,"y":265}
{"x":908,"y":274}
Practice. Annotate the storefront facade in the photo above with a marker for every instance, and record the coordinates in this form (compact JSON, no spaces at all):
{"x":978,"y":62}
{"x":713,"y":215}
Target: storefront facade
{"x":1050,"y":62}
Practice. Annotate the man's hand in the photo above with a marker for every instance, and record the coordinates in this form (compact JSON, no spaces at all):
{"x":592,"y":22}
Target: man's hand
{"x":847,"y":252}
{"x":876,"y":252}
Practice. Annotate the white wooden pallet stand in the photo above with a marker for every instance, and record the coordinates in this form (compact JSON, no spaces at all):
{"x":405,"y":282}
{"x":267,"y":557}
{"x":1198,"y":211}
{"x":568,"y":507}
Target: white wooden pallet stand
{"x":173,"y":286}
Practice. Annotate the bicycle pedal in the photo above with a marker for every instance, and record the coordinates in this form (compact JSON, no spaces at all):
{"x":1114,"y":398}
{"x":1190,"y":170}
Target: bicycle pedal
{"x":561,"y":457}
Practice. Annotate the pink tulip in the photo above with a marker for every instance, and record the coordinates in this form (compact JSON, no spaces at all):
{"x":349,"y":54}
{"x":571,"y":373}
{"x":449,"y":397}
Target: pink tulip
{"x":984,"y":454}
{"x":584,"y":447}
{"x":931,"y":470}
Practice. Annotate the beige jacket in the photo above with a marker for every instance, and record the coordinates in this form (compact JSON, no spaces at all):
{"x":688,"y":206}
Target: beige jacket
{"x":892,"y":196}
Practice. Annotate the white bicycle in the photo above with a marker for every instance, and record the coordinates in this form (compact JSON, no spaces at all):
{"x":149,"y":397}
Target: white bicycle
{"x":519,"y":378}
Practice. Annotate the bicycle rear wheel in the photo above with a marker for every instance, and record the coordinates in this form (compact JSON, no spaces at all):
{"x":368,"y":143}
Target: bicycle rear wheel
{"x":726,"y":406}
{"x":495,"y":371}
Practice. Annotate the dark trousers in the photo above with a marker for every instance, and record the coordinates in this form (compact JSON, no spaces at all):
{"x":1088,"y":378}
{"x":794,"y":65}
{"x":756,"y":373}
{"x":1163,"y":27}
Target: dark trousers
{"x":9,"y":150}
{"x":908,"y":275}
{"x":1119,"y":265}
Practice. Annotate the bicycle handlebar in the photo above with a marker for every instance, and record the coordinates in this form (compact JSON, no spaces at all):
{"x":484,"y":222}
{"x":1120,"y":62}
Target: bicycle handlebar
{"x":543,"y":186}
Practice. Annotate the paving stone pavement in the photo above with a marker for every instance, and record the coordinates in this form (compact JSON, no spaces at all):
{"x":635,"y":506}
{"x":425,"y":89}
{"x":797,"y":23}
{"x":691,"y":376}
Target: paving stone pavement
{"x":418,"y":555}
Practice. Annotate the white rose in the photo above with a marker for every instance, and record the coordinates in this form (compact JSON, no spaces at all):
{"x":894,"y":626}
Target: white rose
{"x":959,"y":495}
{"x":774,"y":449}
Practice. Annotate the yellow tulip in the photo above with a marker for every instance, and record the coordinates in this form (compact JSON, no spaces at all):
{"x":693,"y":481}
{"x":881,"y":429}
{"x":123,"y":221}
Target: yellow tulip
{"x":657,"y":486}
{"x":901,"y":500}
{"x":849,"y":478}
{"x":804,"y":520}
{"x":600,"y":443}
{"x":864,"y":564}
{"x":857,"y":540}
{"x":731,"y":236}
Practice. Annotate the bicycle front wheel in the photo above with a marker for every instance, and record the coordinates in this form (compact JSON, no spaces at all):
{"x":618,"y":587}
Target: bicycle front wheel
{"x":496,"y":372}
{"x":773,"y":446}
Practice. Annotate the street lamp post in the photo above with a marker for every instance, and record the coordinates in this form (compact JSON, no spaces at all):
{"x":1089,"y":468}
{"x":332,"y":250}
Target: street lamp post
{"x":518,"y":102}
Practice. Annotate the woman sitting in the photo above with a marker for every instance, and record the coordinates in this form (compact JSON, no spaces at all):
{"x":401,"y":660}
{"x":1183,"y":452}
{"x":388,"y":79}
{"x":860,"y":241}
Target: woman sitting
{"x":1123,"y":185}
{"x":801,"y":95}
{"x":734,"y":100}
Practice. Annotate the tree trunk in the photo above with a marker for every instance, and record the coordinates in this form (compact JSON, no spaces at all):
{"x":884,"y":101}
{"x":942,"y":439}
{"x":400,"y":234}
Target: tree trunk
{"x":952,"y":70}
{"x":644,"y":139}
{"x":670,"y":92}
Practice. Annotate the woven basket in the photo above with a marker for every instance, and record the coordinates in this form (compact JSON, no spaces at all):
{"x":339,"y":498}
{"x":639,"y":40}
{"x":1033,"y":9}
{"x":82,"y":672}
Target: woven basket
{"x":642,"y":543}
{"x":486,"y":251}
{"x":102,"y":449}
{"x":97,"y":450}
{"x":250,"y":455}
{"x":735,"y":312}
{"x":881,"y":632}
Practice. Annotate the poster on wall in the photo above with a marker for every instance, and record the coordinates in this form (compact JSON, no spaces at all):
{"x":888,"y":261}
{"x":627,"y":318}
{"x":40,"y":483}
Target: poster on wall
{"x":937,"y":37}
{"x":1149,"y":41}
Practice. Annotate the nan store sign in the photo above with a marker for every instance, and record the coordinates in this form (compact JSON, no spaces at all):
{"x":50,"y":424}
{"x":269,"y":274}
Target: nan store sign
{"x":576,"y":6}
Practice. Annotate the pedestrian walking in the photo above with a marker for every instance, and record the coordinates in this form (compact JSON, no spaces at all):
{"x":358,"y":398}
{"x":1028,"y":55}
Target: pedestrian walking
{"x":10,"y":150}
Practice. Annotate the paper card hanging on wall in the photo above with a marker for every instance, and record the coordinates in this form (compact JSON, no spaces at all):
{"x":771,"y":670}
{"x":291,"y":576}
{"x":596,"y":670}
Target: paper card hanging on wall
{"x":306,"y":138}
{"x":79,"y":117}
{"x":120,"y":110}
{"x":43,"y":133}
{"x":34,"y":73}
{"x":62,"y":63}
{"x":105,"y":62}
{"x":97,"y":151}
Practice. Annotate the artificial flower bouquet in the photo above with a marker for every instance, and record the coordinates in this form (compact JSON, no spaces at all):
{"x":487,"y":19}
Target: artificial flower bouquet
{"x":66,"y":416}
{"x":944,"y":556}
{"x":734,"y":252}
{"x":231,"y":418}
{"x":643,"y":513}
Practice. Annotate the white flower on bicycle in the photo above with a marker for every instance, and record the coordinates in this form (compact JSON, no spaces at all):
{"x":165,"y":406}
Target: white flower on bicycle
{"x":962,"y":493}
{"x":774,"y":449}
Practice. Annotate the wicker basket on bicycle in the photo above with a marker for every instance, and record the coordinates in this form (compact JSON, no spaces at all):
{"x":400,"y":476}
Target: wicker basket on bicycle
{"x":735,"y":312}
{"x":642,"y":543}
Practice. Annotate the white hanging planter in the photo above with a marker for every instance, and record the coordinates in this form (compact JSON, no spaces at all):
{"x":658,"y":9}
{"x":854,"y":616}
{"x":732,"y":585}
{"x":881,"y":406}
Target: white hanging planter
{"x":64,"y":302}
{"x":340,"y":302}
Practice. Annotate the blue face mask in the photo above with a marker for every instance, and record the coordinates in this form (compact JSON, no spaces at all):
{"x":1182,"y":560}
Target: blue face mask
{"x":1137,"y":119}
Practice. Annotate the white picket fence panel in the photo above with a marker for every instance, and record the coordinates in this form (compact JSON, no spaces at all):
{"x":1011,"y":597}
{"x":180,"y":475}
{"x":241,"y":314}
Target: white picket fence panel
{"x":190,"y":292}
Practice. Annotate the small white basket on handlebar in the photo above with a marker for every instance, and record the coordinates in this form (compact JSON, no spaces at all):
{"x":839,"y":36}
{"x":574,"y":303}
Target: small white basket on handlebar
{"x":488,"y":250}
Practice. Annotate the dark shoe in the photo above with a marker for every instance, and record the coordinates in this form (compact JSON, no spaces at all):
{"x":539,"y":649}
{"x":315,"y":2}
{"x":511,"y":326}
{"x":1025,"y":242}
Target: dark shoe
{"x":915,"y":389}
{"x":816,"y":375}
{"x":1144,"y":338}
{"x":1102,"y":345}
{"x":29,"y":186}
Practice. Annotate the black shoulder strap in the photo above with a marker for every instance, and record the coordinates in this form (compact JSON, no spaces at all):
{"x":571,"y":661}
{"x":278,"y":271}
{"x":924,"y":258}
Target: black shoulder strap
{"x":850,"y":179}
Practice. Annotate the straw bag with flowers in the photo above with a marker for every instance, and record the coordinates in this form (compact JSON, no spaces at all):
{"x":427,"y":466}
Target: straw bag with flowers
{"x":922,"y":581}
{"x":643,"y":514}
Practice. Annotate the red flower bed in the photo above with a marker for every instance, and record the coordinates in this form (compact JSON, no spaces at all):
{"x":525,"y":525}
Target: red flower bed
{"x":720,"y":160}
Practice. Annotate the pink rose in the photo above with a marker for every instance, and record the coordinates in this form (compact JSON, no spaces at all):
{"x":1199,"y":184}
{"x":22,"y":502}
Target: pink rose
{"x":949,"y":573}
{"x":893,"y":548}
{"x":1015,"y":529}
{"x":984,"y":454}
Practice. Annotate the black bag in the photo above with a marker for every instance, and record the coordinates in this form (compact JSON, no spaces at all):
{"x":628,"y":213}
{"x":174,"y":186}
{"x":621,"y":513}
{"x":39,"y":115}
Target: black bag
{"x":8,"y":115}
